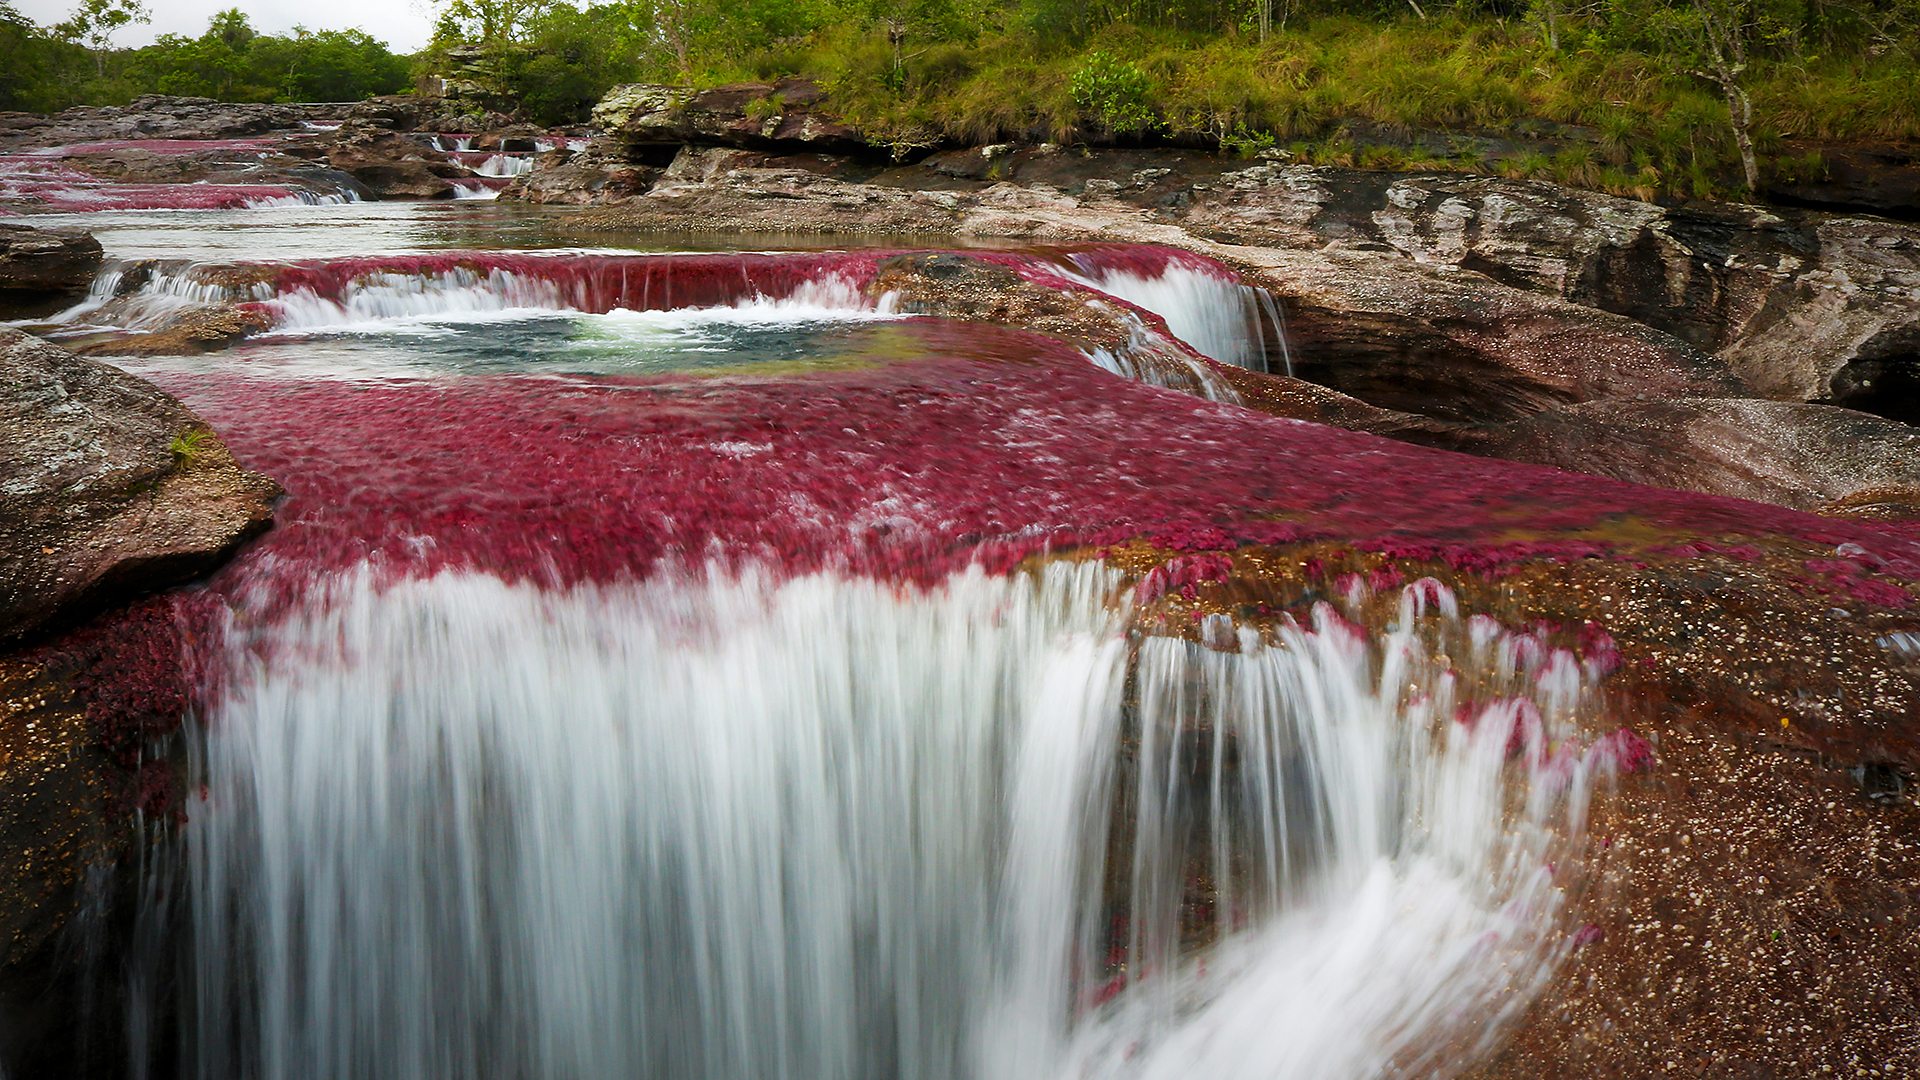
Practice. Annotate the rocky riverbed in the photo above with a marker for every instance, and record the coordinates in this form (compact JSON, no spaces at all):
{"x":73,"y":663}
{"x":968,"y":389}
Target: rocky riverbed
{"x":1675,"y":441}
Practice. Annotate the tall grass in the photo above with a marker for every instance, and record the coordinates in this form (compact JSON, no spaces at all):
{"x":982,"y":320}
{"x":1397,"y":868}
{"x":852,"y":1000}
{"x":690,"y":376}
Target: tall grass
{"x":1597,"y":116}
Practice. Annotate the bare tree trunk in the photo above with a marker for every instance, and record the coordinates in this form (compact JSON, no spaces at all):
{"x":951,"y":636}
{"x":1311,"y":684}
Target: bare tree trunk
{"x":1740,"y":107}
{"x":1727,"y":50}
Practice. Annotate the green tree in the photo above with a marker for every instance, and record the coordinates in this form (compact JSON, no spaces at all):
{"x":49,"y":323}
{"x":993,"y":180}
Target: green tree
{"x":31,"y":61}
{"x":94,"y":22}
{"x":490,"y":22}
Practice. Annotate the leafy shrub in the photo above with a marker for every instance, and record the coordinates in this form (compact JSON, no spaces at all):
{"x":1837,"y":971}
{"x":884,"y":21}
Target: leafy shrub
{"x":1117,"y":93}
{"x":1242,"y":143}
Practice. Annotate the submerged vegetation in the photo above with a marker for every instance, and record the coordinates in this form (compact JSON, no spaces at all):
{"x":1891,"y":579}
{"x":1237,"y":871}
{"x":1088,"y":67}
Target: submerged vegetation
{"x":1647,"y":97}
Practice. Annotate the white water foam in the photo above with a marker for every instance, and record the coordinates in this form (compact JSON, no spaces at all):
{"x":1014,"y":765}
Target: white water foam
{"x":165,"y":293}
{"x":404,"y":303}
{"x":828,"y":827}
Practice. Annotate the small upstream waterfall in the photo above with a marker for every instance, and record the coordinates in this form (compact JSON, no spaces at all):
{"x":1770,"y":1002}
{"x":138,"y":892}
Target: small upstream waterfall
{"x":504,"y":164}
{"x":451,"y":295}
{"x":738,"y":826}
{"x":304,"y":198}
{"x":1203,"y":304}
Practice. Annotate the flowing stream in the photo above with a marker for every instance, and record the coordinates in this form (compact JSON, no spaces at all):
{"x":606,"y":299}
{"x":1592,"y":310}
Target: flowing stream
{"x":673,"y":665}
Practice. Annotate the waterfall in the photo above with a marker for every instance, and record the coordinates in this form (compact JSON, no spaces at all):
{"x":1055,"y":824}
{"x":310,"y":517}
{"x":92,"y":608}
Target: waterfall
{"x":504,"y":165}
{"x":302,"y":198}
{"x":334,"y":293}
{"x":733,"y":825}
{"x":1203,"y":303}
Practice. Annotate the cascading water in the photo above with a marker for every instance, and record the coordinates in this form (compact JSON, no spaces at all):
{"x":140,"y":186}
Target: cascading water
{"x":1203,"y":303}
{"x":730,"y":825}
{"x":303,"y":198}
{"x":357,"y":293}
{"x":504,"y":164}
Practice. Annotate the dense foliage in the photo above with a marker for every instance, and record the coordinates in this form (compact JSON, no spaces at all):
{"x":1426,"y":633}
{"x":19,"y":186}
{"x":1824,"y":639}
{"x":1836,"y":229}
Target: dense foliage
{"x":1656,"y":96}
{"x":71,"y":63}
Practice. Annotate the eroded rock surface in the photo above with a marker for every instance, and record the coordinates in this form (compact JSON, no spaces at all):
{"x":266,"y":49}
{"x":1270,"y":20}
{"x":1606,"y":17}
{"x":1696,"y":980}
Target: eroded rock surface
{"x":391,"y":165}
{"x":1804,"y":307}
{"x":1808,"y":457}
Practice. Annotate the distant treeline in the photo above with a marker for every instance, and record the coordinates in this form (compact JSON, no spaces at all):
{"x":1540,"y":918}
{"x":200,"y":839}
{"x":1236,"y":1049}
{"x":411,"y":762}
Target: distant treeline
{"x":50,"y":68}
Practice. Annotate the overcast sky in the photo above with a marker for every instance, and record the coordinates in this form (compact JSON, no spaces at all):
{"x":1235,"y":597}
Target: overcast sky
{"x":403,"y":24}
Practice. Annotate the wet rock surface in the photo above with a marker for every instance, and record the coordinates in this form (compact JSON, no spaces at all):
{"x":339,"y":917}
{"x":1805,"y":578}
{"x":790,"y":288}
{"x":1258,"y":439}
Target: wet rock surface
{"x":1803,"y":307}
{"x":1809,"y":457}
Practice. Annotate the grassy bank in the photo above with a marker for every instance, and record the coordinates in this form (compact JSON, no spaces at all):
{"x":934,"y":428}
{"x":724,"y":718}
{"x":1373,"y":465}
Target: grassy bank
{"x":1444,"y":92}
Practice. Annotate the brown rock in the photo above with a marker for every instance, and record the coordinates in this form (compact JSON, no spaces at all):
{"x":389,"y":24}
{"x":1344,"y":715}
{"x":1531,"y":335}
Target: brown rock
{"x":1463,"y":349}
{"x":394,"y":166}
{"x":191,"y":330}
{"x":156,"y":116}
{"x":108,"y":486}
{"x":1804,"y":307}
{"x":578,"y":179}
{"x":1808,"y":457}
{"x":41,"y":264}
